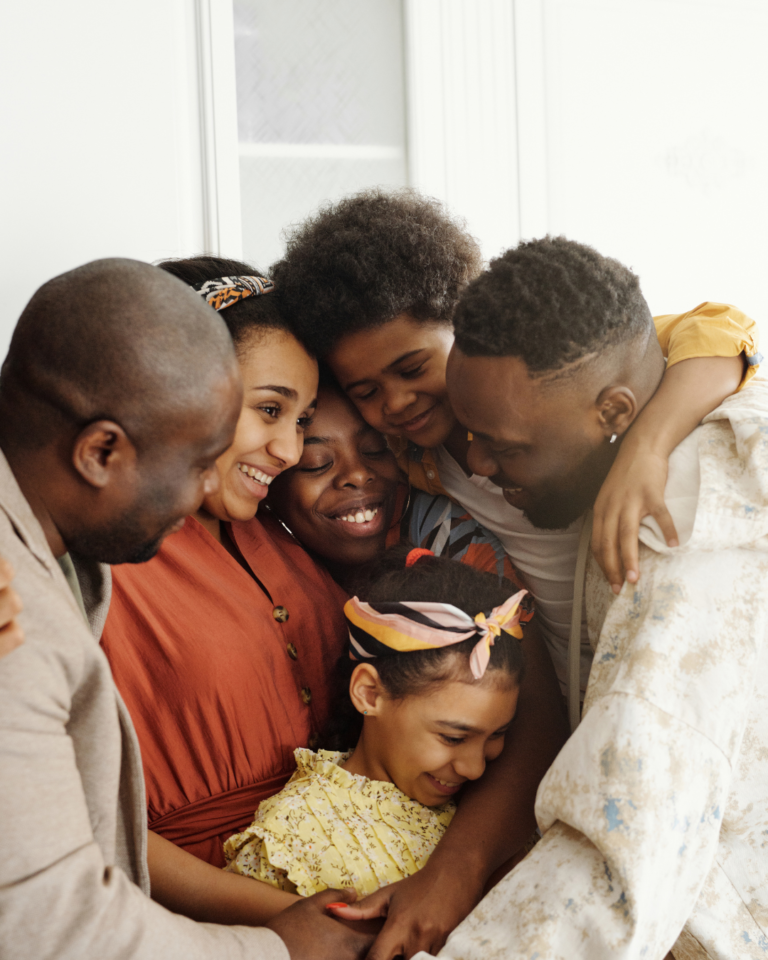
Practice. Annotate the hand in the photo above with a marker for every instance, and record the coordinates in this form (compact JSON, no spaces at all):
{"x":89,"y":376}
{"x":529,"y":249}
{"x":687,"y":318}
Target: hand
{"x":633,"y":489}
{"x":11,"y":634}
{"x":311,"y":933}
{"x":421,"y":911}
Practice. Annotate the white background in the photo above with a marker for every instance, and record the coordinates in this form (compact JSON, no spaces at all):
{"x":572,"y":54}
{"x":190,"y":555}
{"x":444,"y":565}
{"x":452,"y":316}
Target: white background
{"x":635,"y":125}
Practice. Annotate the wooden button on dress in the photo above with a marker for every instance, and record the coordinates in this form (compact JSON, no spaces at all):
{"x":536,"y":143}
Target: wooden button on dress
{"x":306,"y":695}
{"x":280,"y":614}
{"x":292,"y":652}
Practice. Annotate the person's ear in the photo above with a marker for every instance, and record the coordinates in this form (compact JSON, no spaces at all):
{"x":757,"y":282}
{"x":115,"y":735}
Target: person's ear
{"x":366,"y":691}
{"x":617,"y":408}
{"x":101,"y":452}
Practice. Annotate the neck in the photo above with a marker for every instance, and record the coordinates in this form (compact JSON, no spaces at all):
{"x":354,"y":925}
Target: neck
{"x":457,"y":445}
{"x":645,"y":372}
{"x":364,"y":760}
{"x":28,"y":468}
{"x":210,"y":523}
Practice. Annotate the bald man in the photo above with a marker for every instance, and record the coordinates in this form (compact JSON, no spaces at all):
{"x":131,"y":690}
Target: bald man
{"x":119,"y":392}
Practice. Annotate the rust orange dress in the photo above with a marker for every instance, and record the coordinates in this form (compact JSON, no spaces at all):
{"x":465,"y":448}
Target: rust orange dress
{"x":225,"y":674}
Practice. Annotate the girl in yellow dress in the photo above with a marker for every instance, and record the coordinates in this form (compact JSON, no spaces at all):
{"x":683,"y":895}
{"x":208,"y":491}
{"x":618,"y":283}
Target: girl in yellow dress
{"x":435,"y":671}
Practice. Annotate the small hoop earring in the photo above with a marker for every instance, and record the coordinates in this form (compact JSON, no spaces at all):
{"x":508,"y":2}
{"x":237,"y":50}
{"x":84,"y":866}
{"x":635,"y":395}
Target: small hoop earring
{"x":613,"y":438}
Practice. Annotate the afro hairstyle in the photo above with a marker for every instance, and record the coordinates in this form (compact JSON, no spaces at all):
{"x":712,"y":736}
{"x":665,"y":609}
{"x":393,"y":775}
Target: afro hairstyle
{"x":365,"y":260}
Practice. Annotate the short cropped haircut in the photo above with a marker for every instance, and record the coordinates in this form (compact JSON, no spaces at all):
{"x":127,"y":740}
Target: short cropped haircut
{"x":365,"y":260}
{"x":550,"y":302}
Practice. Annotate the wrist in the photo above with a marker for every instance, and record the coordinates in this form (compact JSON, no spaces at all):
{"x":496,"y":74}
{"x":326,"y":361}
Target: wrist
{"x":473,"y":866}
{"x":654,"y":441}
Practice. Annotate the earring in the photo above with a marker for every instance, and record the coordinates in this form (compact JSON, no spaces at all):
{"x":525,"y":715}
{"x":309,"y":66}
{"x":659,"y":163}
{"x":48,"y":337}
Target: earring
{"x":613,"y":438}
{"x":365,"y":713}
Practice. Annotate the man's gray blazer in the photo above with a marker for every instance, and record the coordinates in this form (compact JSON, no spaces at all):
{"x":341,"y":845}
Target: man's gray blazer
{"x":73,"y":872}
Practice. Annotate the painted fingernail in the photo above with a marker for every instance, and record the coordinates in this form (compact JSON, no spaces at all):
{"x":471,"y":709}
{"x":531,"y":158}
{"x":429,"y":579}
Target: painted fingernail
{"x":332,"y":906}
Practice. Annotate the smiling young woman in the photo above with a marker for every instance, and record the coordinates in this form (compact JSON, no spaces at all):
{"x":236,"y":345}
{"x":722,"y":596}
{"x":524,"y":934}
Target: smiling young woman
{"x":219,"y":645}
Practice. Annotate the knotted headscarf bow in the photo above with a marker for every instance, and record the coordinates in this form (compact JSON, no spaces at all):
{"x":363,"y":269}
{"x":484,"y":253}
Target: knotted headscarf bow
{"x":224,"y":291}
{"x":384,"y":629}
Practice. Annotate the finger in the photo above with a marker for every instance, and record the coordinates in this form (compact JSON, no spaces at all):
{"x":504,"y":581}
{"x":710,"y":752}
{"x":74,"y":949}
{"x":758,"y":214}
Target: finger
{"x":340,"y":898}
{"x":370,"y":907}
{"x":387,"y":946}
{"x":10,"y":605}
{"x":11,"y":637}
{"x":608,"y":554}
{"x":6,"y":573}
{"x":629,"y":549}
{"x":664,"y":519}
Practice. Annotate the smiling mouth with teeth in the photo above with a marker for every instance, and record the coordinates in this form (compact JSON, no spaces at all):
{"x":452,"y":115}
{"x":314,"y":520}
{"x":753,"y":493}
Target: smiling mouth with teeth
{"x":255,"y":474}
{"x":360,"y":516}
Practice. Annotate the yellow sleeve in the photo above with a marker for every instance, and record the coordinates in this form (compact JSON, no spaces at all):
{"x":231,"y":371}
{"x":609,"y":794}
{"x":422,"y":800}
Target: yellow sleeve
{"x":710,"y":330}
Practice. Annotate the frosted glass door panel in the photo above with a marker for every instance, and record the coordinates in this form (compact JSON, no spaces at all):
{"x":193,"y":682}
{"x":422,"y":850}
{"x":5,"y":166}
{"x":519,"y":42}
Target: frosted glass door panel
{"x":321,"y":109}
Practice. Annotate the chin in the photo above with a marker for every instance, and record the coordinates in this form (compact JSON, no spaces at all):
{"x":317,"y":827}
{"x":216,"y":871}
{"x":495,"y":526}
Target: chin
{"x":436,"y":435}
{"x":558,"y":511}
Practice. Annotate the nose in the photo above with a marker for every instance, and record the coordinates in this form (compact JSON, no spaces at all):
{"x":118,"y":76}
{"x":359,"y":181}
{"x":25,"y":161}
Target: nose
{"x":471,"y":762}
{"x":480,"y":461}
{"x":354,"y":473}
{"x":397,"y":400}
{"x":286,"y":444}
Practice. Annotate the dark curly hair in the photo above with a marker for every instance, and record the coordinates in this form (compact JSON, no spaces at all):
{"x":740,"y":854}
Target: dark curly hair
{"x":370,"y":257}
{"x":435,"y":579}
{"x":550,"y":302}
{"x":245,"y":318}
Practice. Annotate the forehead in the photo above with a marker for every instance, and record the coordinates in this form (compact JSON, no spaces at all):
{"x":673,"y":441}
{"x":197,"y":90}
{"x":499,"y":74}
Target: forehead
{"x":277,"y":357}
{"x":370,"y":351}
{"x":495,"y":397}
{"x":335,"y":416}
{"x":486,"y":705}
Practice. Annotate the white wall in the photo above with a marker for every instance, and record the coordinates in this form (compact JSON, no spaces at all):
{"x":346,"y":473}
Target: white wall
{"x":635,"y":125}
{"x":654,"y":141}
{"x":99,"y":138}
{"x":638,"y":126}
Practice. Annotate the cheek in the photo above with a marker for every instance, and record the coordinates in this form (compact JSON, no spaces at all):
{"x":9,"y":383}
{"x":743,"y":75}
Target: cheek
{"x":297,"y":507}
{"x":371,"y":411}
{"x":493,"y":749}
{"x":434,"y":382}
{"x":251,"y":436}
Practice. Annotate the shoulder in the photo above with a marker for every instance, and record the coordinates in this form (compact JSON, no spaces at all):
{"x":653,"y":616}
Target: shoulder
{"x":717,"y":489}
{"x":59,"y":653}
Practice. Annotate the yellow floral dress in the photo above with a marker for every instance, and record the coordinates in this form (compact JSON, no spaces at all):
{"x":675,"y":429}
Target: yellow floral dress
{"x":329,"y":828}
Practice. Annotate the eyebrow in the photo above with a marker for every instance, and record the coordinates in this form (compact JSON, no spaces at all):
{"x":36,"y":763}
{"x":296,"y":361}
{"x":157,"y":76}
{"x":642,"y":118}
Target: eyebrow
{"x":403,"y":356}
{"x":466,"y":727}
{"x":288,"y":392}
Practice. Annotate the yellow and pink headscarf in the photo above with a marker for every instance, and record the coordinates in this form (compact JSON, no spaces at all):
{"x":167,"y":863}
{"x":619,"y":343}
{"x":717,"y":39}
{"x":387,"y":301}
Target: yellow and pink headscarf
{"x":385,"y":629}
